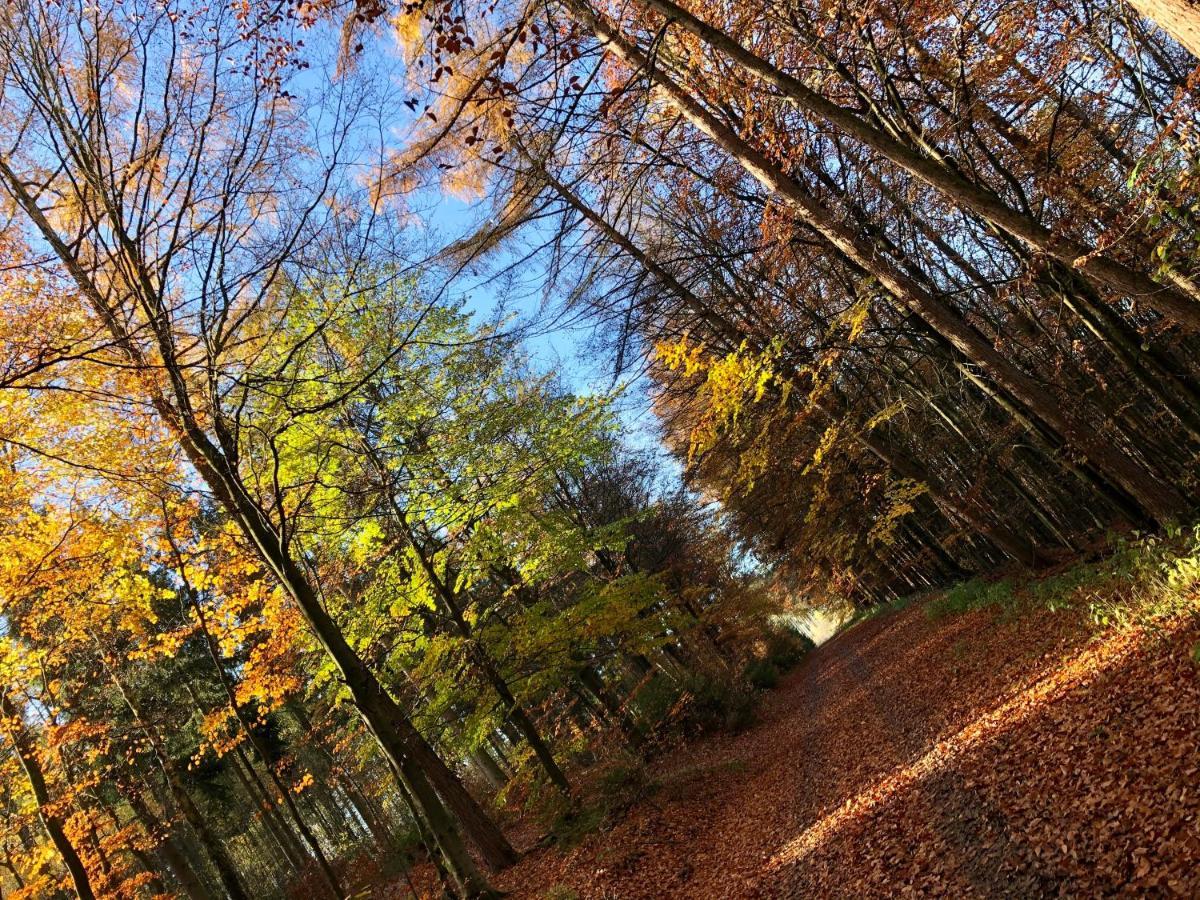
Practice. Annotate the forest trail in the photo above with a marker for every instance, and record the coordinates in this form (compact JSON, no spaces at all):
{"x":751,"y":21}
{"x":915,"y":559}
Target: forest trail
{"x":964,"y":757}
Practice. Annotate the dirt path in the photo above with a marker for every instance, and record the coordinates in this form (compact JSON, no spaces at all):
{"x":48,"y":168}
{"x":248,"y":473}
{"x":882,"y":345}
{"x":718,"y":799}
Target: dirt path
{"x":962,"y":758}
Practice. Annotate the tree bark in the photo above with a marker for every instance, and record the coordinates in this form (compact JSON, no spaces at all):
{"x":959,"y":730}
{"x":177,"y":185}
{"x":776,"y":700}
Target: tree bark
{"x":292,"y":854}
{"x":1178,"y":18}
{"x":181,"y":870}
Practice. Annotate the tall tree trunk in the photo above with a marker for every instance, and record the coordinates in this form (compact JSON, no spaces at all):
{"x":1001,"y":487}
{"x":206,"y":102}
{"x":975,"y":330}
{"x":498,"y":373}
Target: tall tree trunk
{"x":176,"y":863}
{"x":479,"y":653}
{"x":227,"y":872}
{"x":214,"y":654}
{"x":512,"y":708}
{"x":1178,"y":18}
{"x":408,"y":754}
{"x":293,"y":855}
{"x":18,"y":735}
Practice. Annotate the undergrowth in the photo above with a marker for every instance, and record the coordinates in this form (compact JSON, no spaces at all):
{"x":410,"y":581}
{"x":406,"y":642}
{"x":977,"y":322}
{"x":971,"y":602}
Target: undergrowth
{"x":867,"y":613}
{"x":678,"y":707}
{"x":1145,"y":578}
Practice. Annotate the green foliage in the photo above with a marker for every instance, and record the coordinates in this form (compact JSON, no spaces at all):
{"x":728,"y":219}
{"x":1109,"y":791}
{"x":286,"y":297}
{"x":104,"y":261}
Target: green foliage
{"x":609,"y":792}
{"x":573,"y":827}
{"x":761,"y":674}
{"x":972,"y":595}
{"x":786,"y":647}
{"x":714,"y":703}
{"x":1143,"y":579}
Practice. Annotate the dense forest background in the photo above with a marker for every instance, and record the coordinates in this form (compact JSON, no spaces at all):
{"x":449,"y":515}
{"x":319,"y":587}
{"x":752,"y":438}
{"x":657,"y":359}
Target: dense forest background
{"x":323,"y":561}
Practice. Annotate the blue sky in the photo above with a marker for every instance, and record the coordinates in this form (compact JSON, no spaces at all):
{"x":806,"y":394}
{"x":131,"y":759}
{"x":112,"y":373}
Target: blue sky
{"x":557,"y":344}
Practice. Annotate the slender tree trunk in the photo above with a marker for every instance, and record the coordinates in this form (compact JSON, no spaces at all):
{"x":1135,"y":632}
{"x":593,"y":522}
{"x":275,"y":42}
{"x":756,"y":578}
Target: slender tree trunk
{"x":501,"y":757}
{"x":410,"y":767}
{"x":408,"y":754}
{"x":226,"y":870}
{"x":18,"y":735}
{"x":592,"y":680}
{"x":214,"y":653}
{"x":1002,"y":537}
{"x":155,"y":883}
{"x":293,"y":855}
{"x":176,"y":863}
{"x":370,"y":812}
{"x":479,"y":654}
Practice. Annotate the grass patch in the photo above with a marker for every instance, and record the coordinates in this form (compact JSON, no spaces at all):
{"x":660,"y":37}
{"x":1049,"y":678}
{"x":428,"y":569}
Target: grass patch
{"x":572,"y":828}
{"x":970,"y":596}
{"x":612,"y":791}
{"x":882,"y":609}
{"x":1143,"y":579}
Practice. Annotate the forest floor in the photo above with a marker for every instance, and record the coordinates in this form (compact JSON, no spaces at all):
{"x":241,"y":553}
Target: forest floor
{"x":976,"y":755}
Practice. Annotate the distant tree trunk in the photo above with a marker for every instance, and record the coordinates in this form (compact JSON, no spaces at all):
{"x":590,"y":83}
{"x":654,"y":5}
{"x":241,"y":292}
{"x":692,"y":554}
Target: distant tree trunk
{"x":1178,"y":18}
{"x":367,"y":810}
{"x":479,"y":653}
{"x":592,"y":680}
{"x":501,"y":757}
{"x":176,"y":863}
{"x":289,"y":849}
{"x":227,"y":684}
{"x":227,"y":872}
{"x":14,"y":726}
{"x":488,"y":768}
{"x":155,"y":882}
{"x":370,"y":812}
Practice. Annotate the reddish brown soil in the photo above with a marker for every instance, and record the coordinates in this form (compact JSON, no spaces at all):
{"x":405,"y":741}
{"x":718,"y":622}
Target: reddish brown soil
{"x":967,"y":757}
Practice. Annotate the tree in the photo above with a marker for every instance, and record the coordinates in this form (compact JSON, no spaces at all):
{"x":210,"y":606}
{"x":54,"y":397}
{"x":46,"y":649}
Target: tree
{"x":188,"y":187}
